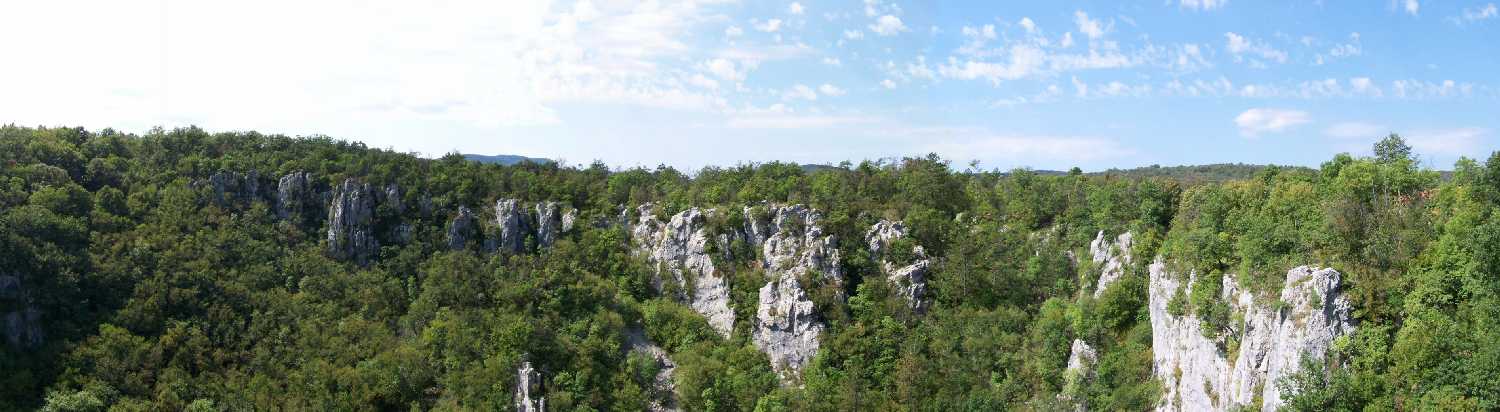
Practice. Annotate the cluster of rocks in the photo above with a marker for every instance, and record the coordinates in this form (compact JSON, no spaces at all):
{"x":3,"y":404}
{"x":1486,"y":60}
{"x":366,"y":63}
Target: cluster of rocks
{"x":1081,"y":361}
{"x":1114,"y":258}
{"x":514,"y":223}
{"x":22,"y":319}
{"x":909,"y":278}
{"x":791,"y":247}
{"x":1195,"y":370}
{"x":232,"y":188}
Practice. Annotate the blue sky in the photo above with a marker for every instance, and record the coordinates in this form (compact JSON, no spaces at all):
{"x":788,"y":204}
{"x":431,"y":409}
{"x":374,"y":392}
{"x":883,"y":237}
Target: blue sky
{"x":690,"y":83}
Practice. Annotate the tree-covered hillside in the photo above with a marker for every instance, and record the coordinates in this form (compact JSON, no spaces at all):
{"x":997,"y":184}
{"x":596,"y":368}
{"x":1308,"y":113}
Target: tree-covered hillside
{"x":187,"y":270}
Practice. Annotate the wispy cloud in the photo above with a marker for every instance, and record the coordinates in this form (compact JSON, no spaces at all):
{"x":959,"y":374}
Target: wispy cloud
{"x":1254,"y":122}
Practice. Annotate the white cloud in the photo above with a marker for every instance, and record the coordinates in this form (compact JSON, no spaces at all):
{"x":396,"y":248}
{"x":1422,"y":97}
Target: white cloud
{"x":1355,"y":130}
{"x":1024,"y":61}
{"x":1026,"y":23}
{"x":1090,"y":27}
{"x":987,"y":32}
{"x":1452,"y":142}
{"x":830,"y":90}
{"x":1240,"y":45}
{"x":725,"y":69}
{"x":795,"y":8}
{"x":888,"y":25}
{"x":1411,"y":6}
{"x":800,"y":91}
{"x":767,"y":26}
{"x":1203,"y":4}
{"x":832,"y":61}
{"x":1365,"y":86}
{"x":1470,"y":15}
{"x":1067,"y":40}
{"x":733,"y":31}
{"x":855,"y":34}
{"x":1253,"y":122}
{"x":887,"y":83}
{"x":702,"y":81}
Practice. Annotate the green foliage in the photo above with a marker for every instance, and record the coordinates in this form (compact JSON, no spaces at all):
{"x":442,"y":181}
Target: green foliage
{"x":155,"y":296}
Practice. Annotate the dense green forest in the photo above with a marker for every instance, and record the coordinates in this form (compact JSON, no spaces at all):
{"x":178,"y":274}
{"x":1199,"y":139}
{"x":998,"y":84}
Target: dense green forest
{"x":170,"y":271}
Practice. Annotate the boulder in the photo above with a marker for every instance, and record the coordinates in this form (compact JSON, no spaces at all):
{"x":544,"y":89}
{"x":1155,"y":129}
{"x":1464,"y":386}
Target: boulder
{"x":786,"y":328}
{"x":793,"y":246}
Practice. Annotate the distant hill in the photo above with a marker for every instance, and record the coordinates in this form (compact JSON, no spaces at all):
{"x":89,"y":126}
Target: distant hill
{"x":1200,"y":173}
{"x":506,"y":160}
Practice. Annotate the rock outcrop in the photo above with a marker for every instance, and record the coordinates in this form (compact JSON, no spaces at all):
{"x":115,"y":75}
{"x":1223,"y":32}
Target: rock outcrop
{"x":233,"y":188}
{"x":351,"y":218}
{"x":663,"y":396}
{"x":679,"y":247}
{"x":548,"y":223}
{"x":513,"y":224}
{"x":463,"y":229}
{"x":1113,"y":258}
{"x":529,"y":390}
{"x":909,"y":278}
{"x":22,"y":319}
{"x":793,"y":247}
{"x":1081,"y":361}
{"x":295,"y":198}
{"x":786,"y":328}
{"x":1273,"y":338}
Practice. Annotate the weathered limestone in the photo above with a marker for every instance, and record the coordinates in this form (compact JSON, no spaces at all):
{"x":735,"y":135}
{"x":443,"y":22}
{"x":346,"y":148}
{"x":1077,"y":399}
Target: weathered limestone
{"x":548,"y":223}
{"x":294,"y":196}
{"x":351,"y":218}
{"x":909,"y":279}
{"x":1195,"y":371}
{"x":794,"y":246}
{"x":529,"y":389}
{"x":786,"y":328}
{"x":680,"y":247}
{"x":1114,"y":258}
{"x":463,"y":229}
{"x":233,"y":188}
{"x":514,"y":225}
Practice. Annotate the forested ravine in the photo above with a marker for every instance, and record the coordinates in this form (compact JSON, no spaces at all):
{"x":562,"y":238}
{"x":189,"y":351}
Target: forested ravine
{"x":187,"y":270}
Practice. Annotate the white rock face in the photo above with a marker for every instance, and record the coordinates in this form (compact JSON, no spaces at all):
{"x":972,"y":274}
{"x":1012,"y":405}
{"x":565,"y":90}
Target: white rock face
{"x":911,"y":279}
{"x":1196,"y":373}
{"x":1113,"y":256}
{"x":351,"y":218}
{"x":1082,"y":357}
{"x":786,"y":327}
{"x":529,"y":390}
{"x":548,"y":223}
{"x":514,"y":224}
{"x":679,"y":247}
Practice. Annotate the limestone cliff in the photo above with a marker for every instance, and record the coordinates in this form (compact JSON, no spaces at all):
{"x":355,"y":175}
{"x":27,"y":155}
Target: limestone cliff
{"x":1196,"y":372}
